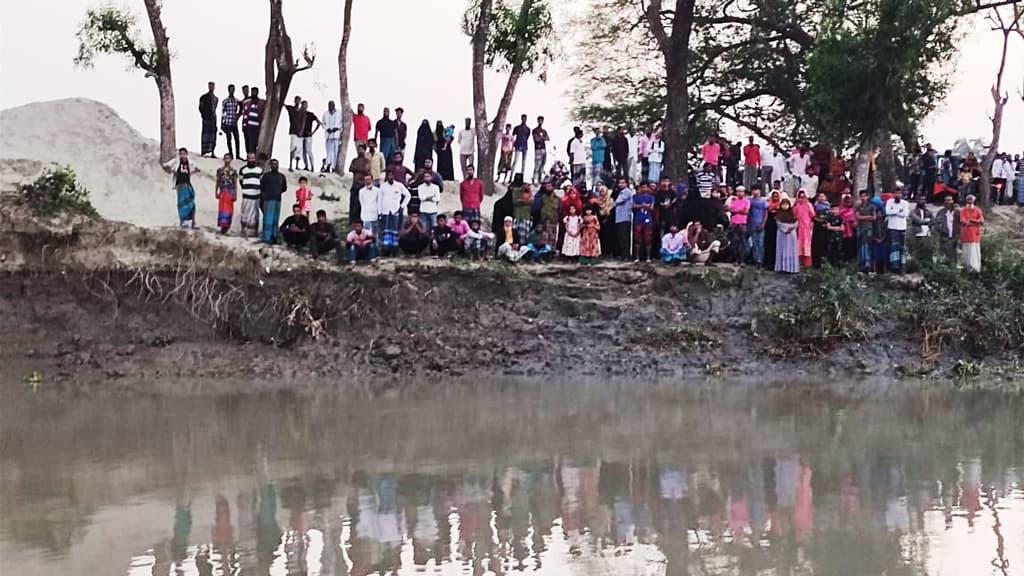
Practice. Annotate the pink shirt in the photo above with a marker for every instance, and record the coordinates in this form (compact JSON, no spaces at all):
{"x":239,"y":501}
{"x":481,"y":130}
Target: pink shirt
{"x":644,"y":145}
{"x":460,"y":228}
{"x":740,"y":208}
{"x":711,"y":152}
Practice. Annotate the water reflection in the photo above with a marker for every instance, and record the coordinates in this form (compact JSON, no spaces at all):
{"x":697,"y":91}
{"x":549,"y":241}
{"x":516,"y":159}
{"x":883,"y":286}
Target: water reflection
{"x":559,"y":479}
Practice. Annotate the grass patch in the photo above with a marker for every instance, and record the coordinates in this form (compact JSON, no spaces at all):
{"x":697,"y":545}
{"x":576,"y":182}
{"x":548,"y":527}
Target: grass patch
{"x":691,"y":338}
{"x":830,"y":306}
{"x":57,"y":192}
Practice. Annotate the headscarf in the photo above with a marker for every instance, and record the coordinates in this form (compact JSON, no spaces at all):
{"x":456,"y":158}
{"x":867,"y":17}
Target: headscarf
{"x":774,"y":199}
{"x":439,"y":133}
{"x":604,"y":200}
{"x":785,"y":215}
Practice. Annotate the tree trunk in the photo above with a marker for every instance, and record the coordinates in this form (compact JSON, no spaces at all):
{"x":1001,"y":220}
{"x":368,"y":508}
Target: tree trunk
{"x":676,"y":49}
{"x":999,"y":99}
{"x":862,"y":167}
{"x":279,"y":67}
{"x":162,"y":77}
{"x":484,"y":146}
{"x":345,"y":103}
{"x":886,"y":162}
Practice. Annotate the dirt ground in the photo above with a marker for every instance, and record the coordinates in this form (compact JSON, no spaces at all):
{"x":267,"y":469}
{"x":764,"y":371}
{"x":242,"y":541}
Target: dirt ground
{"x":109,"y":306}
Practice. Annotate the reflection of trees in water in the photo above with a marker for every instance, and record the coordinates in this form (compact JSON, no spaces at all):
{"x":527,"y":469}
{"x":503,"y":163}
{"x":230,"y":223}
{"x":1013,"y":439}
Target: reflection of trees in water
{"x":711,"y":478}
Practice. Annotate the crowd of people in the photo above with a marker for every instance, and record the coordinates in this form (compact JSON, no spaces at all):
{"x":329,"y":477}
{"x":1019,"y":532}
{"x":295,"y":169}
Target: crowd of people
{"x":779,"y":210}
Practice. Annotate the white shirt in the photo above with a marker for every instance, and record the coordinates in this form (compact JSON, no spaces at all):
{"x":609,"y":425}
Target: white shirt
{"x":1008,"y":170}
{"x":430,"y":198}
{"x":997,"y":168}
{"x":634,"y":146}
{"x":467,"y":139}
{"x":798,"y":165}
{"x":578,"y":151}
{"x":333,"y":124}
{"x":950,"y":215}
{"x":656,"y":151}
{"x":393,"y":198}
{"x":896,"y":214}
{"x":368,"y":198}
{"x":810,"y":183}
{"x":777,"y":162}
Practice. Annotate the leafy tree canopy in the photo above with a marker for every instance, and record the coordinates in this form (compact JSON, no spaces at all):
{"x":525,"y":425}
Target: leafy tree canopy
{"x":111,"y":30}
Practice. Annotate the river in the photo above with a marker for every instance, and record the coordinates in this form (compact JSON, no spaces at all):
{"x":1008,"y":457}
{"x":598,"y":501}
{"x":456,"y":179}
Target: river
{"x":586,"y":478}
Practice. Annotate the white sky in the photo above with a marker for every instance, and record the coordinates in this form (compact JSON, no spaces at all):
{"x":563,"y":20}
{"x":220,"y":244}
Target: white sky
{"x":422,"y":63}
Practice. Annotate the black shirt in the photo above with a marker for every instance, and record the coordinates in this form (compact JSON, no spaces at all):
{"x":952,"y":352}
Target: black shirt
{"x":324,"y":233}
{"x":272,"y":186}
{"x":403,"y":132}
{"x":386,"y":127}
{"x":443,"y":234}
{"x":295,"y":118}
{"x":307,"y":125}
{"x":300,"y":221}
{"x":208,"y":106}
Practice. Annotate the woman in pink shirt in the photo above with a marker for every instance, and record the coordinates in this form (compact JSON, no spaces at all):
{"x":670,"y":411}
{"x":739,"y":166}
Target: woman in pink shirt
{"x":805,"y":227}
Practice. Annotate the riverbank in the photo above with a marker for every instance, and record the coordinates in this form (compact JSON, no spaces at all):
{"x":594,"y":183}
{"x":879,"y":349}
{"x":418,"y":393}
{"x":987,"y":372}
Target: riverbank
{"x":98,"y":304}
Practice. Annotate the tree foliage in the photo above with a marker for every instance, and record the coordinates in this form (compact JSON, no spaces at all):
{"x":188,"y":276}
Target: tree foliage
{"x":521,"y":36}
{"x":881,"y":68}
{"x":57,"y":192}
{"x":109,"y":30}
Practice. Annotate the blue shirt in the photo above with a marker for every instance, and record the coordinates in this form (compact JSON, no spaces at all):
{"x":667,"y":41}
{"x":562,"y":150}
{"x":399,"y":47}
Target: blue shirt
{"x":758,"y":207}
{"x":643,"y":215}
{"x":597,"y":150}
{"x":624,"y":206}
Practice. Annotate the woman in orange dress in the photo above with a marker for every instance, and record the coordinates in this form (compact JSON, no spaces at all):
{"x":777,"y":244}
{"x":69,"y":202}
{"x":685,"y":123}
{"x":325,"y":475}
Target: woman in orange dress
{"x":590,"y":240}
{"x":226,"y":194}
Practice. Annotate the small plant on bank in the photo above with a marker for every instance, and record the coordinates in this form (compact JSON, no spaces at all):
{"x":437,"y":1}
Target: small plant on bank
{"x":57,"y":192}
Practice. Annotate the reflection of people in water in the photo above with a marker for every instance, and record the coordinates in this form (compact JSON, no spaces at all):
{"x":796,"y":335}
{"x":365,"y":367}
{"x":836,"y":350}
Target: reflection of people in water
{"x":223,"y":533}
{"x":268,"y":533}
{"x":182,"y":530}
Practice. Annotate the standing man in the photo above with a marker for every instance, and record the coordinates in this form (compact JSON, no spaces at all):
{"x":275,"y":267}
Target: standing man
{"x":971,"y":221}
{"x":308,"y":130}
{"x":471,"y":194}
{"x":377,"y":163}
{"x":897,"y":211}
{"x":623,"y":217}
{"x":540,"y":150}
{"x":401,"y":130}
{"x":369,"y":202}
{"x":273,"y":185}
{"x":208,"y":112}
{"x":643,"y":145}
{"x":384,"y":133}
{"x":296,"y":117}
{"x":929,"y":171}
{"x":332,"y":123}
{"x":772,"y":168}
{"x":751,"y":163}
{"x":620,"y":152}
{"x":505,"y":163}
{"x":521,"y":133}
{"x":250,"y":176}
{"x":712,"y":154}
{"x":394,"y":197}
{"x":707,"y":181}
{"x":230,"y":111}
{"x":578,"y":158}
{"x":360,"y":128}
{"x":643,"y":223}
{"x":467,"y":146}
{"x":598,"y":149}
{"x":756,"y":220}
{"x":252,"y":119}
{"x":948,"y":222}
{"x":634,"y":149}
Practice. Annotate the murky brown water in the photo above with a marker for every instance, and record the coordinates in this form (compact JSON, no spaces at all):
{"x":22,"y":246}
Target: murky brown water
{"x":600,"y":478}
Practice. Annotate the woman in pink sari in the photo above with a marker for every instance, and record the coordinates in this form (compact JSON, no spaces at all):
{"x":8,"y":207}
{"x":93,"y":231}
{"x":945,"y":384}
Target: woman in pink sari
{"x":804,"y":212}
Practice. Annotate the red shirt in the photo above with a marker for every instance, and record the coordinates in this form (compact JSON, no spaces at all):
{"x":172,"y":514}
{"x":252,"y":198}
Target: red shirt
{"x":752,"y":155}
{"x":971,"y":232}
{"x":471,"y":192}
{"x":361,"y":126}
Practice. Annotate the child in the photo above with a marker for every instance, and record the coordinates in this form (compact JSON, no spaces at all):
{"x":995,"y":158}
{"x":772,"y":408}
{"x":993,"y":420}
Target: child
{"x":673,"y":246}
{"x":443,"y":240}
{"x":477,"y":241}
{"x":304,"y":195}
{"x":537,"y":244}
{"x":590,"y":239}
{"x":571,"y":242}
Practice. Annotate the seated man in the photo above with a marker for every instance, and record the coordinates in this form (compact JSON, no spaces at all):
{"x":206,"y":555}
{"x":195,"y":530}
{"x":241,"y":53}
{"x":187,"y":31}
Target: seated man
{"x":443,"y":240}
{"x":323,"y":238}
{"x":295,"y":228}
{"x":673,"y":245}
{"x":477,"y":242}
{"x":360,"y":243}
{"x":511,"y":247}
{"x":412,"y":240}
{"x":460,"y":227}
{"x":702,"y":247}
{"x":537,"y":243}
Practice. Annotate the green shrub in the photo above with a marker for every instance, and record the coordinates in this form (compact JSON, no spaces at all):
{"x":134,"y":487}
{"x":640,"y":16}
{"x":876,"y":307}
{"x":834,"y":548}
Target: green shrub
{"x":57,"y":192}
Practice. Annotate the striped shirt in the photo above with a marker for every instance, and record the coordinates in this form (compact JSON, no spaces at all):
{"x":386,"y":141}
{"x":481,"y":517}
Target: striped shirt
{"x":253,"y":113}
{"x":250,"y":177}
{"x":229,"y":111}
{"x":706,"y":181}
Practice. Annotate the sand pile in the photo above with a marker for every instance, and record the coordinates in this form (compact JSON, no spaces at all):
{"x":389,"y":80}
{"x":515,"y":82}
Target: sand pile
{"x":119,"y":166}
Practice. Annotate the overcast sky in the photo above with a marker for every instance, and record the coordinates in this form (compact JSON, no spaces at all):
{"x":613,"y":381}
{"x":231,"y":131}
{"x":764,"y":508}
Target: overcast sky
{"x":409,"y":53}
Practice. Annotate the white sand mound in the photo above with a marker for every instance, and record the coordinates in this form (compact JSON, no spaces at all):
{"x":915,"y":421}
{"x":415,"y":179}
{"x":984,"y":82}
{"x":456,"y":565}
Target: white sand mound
{"x":119,"y":166}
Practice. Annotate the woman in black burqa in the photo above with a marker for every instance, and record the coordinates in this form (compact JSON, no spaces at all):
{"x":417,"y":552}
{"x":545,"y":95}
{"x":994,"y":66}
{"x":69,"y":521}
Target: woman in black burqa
{"x":424,"y":144}
{"x":443,"y":147}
